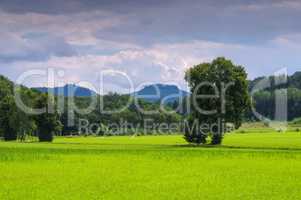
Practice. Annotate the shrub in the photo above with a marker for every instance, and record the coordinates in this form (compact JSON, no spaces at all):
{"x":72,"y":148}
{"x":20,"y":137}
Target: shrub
{"x":242,"y":131}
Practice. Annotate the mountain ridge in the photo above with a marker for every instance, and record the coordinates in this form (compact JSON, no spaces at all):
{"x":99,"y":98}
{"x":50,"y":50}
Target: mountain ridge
{"x":67,"y":91}
{"x":159,"y":91}
{"x":151,"y":93}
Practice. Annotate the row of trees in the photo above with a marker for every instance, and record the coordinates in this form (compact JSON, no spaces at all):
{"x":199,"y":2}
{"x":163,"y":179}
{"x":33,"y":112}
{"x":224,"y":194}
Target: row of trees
{"x":133,"y":114}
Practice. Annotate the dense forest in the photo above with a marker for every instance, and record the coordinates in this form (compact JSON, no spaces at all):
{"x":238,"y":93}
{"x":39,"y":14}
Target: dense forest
{"x":264,"y":100}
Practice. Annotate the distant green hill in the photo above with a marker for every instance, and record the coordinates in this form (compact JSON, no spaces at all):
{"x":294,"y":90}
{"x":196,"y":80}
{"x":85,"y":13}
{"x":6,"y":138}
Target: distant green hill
{"x":293,"y":81}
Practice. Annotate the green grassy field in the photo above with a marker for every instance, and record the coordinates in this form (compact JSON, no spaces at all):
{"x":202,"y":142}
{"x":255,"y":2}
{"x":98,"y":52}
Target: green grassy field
{"x":246,"y":166}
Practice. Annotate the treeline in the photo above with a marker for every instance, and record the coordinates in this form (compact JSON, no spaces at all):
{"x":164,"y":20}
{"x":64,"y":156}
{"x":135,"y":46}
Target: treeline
{"x":63,"y":115}
{"x":264,"y":90}
{"x":265,"y":99}
{"x":16,"y":123}
{"x":111,"y":113}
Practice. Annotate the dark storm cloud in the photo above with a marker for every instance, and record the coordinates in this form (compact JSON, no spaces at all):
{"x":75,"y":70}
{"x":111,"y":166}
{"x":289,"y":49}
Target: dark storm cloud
{"x":71,"y":6}
{"x":148,"y":22}
{"x":125,"y":6}
{"x":34,"y":47}
{"x":248,"y":22}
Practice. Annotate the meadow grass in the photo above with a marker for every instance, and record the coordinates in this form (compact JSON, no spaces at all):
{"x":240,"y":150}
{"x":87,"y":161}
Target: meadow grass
{"x":247,"y":166}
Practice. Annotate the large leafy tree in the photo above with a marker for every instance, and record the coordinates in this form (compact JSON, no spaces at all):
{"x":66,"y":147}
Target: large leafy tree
{"x":219,"y":95}
{"x":14,"y":123}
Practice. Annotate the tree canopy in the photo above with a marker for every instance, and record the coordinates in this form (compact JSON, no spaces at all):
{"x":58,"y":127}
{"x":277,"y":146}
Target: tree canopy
{"x":219,"y":95}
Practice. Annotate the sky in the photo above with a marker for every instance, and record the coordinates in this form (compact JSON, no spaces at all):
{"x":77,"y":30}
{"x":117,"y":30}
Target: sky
{"x":122,"y":44}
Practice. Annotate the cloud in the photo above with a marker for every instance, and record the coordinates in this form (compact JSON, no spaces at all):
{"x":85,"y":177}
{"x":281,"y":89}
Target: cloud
{"x":145,"y":23}
{"x":167,"y":63}
{"x":32,"y":47}
{"x":150,"y":41}
{"x":148,"y":22}
{"x":55,"y":7}
{"x":36,"y":37}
